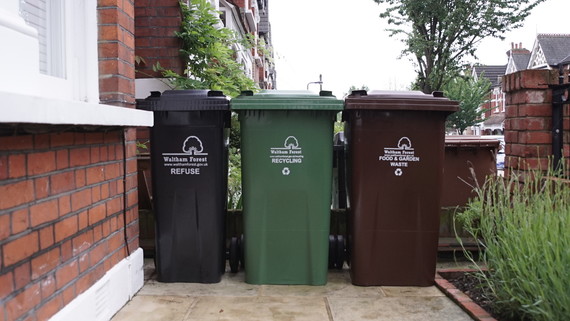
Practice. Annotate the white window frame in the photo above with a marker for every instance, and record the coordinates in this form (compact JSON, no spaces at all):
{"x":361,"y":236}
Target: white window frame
{"x":49,"y":17}
{"x":78,"y":56}
{"x":27,"y":96}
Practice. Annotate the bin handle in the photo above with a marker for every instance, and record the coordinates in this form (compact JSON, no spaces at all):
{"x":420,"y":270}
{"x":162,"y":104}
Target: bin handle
{"x":358,"y":93}
{"x":215,"y":93}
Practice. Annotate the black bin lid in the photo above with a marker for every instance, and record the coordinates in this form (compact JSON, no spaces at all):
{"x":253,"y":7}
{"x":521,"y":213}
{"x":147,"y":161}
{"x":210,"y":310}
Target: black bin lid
{"x":149,"y":102}
{"x":190,"y":100}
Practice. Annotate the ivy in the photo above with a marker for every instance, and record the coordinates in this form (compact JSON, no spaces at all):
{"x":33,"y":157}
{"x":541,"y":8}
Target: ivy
{"x":208,"y":51}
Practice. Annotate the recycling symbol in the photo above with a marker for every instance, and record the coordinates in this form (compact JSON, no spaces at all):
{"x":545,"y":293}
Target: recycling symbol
{"x":398,"y":172}
{"x":286,"y":171}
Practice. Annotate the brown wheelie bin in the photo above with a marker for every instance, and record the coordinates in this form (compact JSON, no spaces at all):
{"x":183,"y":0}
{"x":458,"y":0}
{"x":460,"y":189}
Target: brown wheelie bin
{"x":395,"y":162}
{"x":468,"y":162}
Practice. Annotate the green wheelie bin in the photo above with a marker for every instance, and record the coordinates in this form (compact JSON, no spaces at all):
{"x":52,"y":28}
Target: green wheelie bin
{"x":286,"y":148}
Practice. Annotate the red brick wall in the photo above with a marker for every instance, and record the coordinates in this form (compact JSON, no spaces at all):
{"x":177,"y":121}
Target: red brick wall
{"x":156,"y":21}
{"x":155,"y":24}
{"x":62,"y":215}
{"x":528,"y":121}
{"x":116,"y":20}
{"x":68,"y":200}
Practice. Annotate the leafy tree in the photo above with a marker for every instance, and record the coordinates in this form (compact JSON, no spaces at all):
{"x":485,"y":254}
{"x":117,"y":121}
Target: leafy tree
{"x":208,"y":52}
{"x":352,"y":88}
{"x":439,"y":34}
{"x":471,"y":94}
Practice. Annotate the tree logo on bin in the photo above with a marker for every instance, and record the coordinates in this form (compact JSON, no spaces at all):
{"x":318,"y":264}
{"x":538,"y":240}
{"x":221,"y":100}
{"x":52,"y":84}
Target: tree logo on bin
{"x":400,"y":157}
{"x":291,"y":142}
{"x":192,"y":160}
{"x":405,"y":143}
{"x":288,"y":155}
{"x":193,"y":146}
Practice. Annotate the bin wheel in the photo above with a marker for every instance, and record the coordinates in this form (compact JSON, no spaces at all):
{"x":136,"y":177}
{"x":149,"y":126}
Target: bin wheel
{"x":347,"y":251}
{"x":241,"y":252}
{"x":332,"y":251}
{"x":234,"y":261}
{"x":226,"y":256}
{"x":340,"y":252}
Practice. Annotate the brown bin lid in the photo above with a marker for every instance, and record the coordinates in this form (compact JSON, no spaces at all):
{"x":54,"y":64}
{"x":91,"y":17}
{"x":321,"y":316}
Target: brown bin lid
{"x":400,"y":100}
{"x":471,"y":141}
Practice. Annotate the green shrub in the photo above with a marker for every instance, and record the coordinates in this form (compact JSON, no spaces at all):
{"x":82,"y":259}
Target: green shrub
{"x":208,"y":52}
{"x":234,"y":165}
{"x":523,"y":226}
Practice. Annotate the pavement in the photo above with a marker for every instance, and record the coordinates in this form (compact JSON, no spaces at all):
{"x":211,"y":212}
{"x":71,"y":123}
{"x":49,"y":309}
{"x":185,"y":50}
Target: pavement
{"x":233,"y":299}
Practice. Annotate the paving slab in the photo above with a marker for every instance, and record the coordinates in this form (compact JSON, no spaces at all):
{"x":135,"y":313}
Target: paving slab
{"x":233,"y":299}
{"x":396,"y":309}
{"x":338,"y":285}
{"x":151,"y":308}
{"x":261,"y":308}
{"x":405,"y":291}
{"x":231,"y":285}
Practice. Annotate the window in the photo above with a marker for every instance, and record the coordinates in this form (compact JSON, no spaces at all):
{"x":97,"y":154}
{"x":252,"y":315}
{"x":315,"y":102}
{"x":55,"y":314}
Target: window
{"x":49,"y":66}
{"x":48,"y":17}
{"x":67,"y":40}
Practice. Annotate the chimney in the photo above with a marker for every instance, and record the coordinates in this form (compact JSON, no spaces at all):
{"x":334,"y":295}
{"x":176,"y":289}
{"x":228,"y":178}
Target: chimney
{"x":517,"y":48}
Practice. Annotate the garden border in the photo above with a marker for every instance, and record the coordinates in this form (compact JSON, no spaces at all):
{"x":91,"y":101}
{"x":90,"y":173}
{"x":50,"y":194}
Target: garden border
{"x":463,"y":300}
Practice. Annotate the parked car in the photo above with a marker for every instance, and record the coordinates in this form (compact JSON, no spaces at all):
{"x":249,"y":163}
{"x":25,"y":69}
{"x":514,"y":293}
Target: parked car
{"x":500,"y":157}
{"x":500,"y":160}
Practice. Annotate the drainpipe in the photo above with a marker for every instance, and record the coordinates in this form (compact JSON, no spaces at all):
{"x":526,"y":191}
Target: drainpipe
{"x":559,"y":98}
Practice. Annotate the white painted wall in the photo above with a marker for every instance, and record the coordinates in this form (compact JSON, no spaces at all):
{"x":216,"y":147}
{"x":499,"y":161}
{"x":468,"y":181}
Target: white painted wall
{"x":106,"y":297}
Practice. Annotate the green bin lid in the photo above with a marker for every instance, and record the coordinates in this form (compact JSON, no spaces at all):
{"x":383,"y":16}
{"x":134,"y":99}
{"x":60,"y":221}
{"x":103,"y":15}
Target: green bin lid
{"x":188,"y":100}
{"x":400,"y":100}
{"x":286,"y":100}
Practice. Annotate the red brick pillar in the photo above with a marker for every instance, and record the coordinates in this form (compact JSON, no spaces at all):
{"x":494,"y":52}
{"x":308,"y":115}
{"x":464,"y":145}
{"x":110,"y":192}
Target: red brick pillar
{"x":155,"y":42}
{"x":528,"y":121}
{"x":116,"y":52}
{"x":155,"y":23}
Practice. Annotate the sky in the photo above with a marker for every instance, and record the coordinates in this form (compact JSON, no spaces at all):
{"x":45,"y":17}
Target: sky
{"x":346,"y":42}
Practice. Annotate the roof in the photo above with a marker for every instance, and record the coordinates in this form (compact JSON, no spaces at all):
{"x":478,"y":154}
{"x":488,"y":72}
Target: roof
{"x":520,"y":59}
{"x":495,"y":119}
{"x":492,"y":73}
{"x":556,"y":47}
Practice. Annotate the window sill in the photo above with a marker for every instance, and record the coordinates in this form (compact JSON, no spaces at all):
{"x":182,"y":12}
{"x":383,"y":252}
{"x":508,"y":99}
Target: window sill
{"x":18,"y":108}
